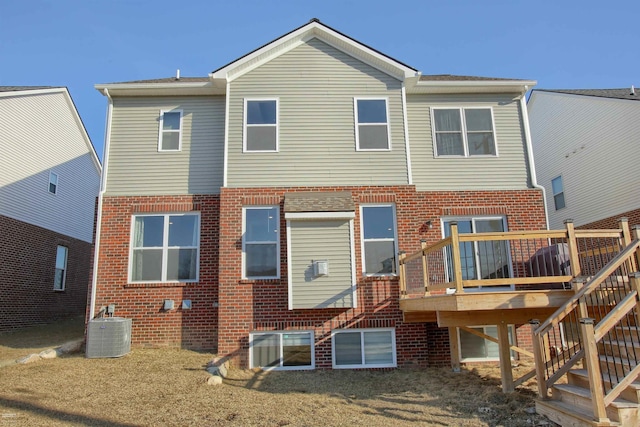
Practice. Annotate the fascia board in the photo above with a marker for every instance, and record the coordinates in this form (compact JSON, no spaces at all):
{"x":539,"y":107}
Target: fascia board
{"x":83,"y":130}
{"x":27,"y":92}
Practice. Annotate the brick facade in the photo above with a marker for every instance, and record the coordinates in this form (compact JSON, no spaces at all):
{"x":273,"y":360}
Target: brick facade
{"x":227,"y":308}
{"x":612,"y":221}
{"x":27,"y":270}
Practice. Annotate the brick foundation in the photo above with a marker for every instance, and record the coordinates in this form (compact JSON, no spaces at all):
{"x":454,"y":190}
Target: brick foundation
{"x":27,"y":270}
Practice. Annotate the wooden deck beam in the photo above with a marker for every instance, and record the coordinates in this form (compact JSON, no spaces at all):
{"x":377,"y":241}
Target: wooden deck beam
{"x":493,"y":317}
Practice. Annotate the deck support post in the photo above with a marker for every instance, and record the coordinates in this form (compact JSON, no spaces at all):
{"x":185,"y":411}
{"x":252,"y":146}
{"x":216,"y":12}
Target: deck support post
{"x":543,"y":392}
{"x":455,"y":255}
{"x":454,"y":349}
{"x":634,"y":281}
{"x":625,"y":240}
{"x":636,"y":236}
{"x":403,"y":275}
{"x":572,"y":242}
{"x":425,"y":268}
{"x":505,"y":358}
{"x":592,"y":363}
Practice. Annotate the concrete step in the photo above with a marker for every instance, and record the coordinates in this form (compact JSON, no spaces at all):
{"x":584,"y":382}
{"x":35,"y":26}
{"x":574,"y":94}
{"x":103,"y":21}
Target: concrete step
{"x":569,"y":416}
{"x":580,"y":377}
{"x":619,"y":410}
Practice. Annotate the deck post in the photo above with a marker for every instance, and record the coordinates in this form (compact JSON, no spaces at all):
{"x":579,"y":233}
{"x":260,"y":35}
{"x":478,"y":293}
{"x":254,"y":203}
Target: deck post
{"x":572,"y":242}
{"x":539,"y":360}
{"x":592,"y":364}
{"x":455,"y":256}
{"x":625,"y":240}
{"x":403,"y":275}
{"x":506,"y":372}
{"x":425,"y":268}
{"x":454,"y":349}
{"x":634,"y":281}
{"x":636,"y":236}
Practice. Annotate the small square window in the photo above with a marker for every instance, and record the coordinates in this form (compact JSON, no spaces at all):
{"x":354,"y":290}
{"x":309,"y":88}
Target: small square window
{"x":60,"y":276}
{"x":170,"y":131}
{"x":261,"y":125}
{"x":558,"y":192}
{"x":372,"y":124}
{"x":53,"y":183}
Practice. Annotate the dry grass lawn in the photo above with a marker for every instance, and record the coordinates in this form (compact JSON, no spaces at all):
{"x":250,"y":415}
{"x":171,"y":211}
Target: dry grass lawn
{"x":168,"y":387}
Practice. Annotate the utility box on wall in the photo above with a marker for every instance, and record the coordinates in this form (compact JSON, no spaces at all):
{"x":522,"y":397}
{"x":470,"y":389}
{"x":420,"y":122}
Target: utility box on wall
{"x":321,"y":267}
{"x":108,"y":337}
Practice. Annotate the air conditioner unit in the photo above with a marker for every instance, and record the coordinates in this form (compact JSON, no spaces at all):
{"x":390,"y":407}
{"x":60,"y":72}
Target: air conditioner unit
{"x":108,"y":337}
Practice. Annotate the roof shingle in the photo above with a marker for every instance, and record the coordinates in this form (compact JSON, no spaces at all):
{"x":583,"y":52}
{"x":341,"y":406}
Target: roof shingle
{"x":624,"y":93}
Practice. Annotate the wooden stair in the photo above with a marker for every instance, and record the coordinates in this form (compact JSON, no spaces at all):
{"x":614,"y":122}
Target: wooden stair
{"x":571,"y":404}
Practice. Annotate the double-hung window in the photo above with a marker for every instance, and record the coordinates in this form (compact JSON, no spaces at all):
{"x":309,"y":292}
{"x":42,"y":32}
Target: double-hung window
{"x":170,"y":131}
{"x":364,"y":348}
{"x":282,"y":350}
{"x":372,"y":124}
{"x":261,"y":242}
{"x":558,"y":192}
{"x":379,"y":240}
{"x":60,"y":276}
{"x":260,"y":125}
{"x":53,"y":182}
{"x":165,"y":248}
{"x":464,"y":132}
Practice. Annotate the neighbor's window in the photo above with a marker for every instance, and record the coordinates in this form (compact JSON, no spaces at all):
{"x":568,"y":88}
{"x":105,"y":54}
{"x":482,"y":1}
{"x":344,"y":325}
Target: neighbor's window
{"x":364,"y":348}
{"x":261,"y":242}
{"x":379,"y":242}
{"x":464,"y":132}
{"x":372,"y":124}
{"x":170,"y":131}
{"x":558,"y":192}
{"x":165,"y":248}
{"x":61,"y":268}
{"x":282,"y":350}
{"x":53,"y":183}
{"x":261,"y":125}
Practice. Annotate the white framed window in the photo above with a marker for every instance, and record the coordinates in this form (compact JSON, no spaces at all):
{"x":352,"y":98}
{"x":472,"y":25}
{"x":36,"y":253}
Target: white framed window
{"x":282,"y":350}
{"x":261,"y":242}
{"x":260,"y":125}
{"x":379,"y":239}
{"x":165,"y":248}
{"x":363,"y":348}
{"x":372,"y":124}
{"x":558,"y":192}
{"x":474,"y":348}
{"x":53,"y":183}
{"x":464,"y":132}
{"x":170,"y":138}
{"x":60,"y":277}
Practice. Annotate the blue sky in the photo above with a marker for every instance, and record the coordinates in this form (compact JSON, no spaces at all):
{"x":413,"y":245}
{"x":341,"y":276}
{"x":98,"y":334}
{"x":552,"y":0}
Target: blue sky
{"x":78,"y":43}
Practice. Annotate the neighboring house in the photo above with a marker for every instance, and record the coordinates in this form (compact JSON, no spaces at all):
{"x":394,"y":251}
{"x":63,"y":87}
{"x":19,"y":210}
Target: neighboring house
{"x":585,"y":142}
{"x":49,"y":181}
{"x":258,"y":211}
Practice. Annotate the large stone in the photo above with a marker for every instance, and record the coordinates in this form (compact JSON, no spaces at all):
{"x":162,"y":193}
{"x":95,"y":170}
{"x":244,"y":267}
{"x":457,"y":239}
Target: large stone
{"x":28,"y":359}
{"x":71,"y":346}
{"x":214,"y":380}
{"x":48,"y":354}
{"x":218,"y":366}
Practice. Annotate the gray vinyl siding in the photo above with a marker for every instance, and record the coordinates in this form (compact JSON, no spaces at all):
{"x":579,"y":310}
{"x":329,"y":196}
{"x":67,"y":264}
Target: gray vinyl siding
{"x":321,"y":240}
{"x":507,"y":171}
{"x":136,"y":167}
{"x":316,"y":85}
{"x":39,"y":134}
{"x":593,"y":143}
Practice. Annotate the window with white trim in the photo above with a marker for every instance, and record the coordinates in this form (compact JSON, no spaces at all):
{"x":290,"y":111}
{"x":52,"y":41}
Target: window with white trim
{"x":464,"y":132}
{"x":261,"y":242}
{"x":170,"y":131}
{"x":260,"y":125}
{"x":60,"y":276}
{"x":363,"y":348}
{"x":379,"y":239}
{"x":372,"y":124}
{"x":53,"y":182}
{"x":558,"y":192}
{"x":282,"y":350}
{"x":165,"y":248}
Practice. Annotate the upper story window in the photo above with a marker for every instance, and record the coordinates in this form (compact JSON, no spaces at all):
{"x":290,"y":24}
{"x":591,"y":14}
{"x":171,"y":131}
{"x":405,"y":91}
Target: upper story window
{"x":60,"y":276}
{"x":53,"y":183}
{"x":170,"y":131}
{"x":558,"y":192}
{"x":379,"y":240}
{"x":464,"y":132}
{"x":372,"y":124}
{"x":165,"y":248}
{"x":260,"y":125}
{"x":261,"y":242}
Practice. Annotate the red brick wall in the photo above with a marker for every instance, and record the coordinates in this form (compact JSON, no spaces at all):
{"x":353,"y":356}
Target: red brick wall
{"x":612,"y":221}
{"x":152,"y":326}
{"x":27,"y":268}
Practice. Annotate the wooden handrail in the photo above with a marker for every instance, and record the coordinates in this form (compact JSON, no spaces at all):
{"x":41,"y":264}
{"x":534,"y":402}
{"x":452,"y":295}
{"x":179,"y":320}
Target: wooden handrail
{"x":432,"y":248}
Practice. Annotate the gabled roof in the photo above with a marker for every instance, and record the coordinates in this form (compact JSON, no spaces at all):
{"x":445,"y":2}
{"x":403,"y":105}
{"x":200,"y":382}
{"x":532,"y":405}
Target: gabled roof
{"x":313,"y":29}
{"x":624,"y":93}
{"x":452,"y":77}
{"x":24,"y":88}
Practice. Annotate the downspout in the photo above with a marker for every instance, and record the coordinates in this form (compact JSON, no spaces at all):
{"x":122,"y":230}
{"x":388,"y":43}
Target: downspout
{"x":406,"y":134}
{"x":532,"y":166}
{"x":103,"y":181}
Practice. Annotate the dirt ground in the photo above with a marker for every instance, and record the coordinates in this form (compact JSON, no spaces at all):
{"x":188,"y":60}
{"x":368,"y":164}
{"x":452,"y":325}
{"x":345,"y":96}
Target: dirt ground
{"x":168,"y":387}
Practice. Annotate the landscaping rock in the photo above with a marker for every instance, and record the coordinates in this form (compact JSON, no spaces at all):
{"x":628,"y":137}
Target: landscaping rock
{"x":48,"y":354}
{"x":214,"y":380}
{"x":218,"y":366}
{"x":71,"y":346}
{"x":28,"y":359}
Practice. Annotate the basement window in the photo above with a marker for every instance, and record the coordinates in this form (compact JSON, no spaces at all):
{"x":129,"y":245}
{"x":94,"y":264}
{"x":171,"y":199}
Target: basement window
{"x":364,"y":348}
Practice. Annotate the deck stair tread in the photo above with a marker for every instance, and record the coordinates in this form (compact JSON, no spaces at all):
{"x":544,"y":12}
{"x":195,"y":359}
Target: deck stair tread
{"x":617,"y":360}
{"x":576,"y":412}
{"x":585,"y":393}
{"x":621,"y":343}
{"x":606,"y":377}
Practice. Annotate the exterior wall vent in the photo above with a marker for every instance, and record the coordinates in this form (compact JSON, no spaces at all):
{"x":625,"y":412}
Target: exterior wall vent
{"x":321,"y":267}
{"x":108,"y":337}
